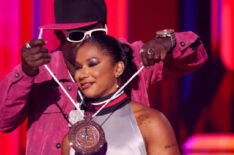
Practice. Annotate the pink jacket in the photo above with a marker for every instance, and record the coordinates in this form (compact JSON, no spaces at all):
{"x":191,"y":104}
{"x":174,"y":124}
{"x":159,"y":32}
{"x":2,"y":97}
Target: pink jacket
{"x":47,"y":108}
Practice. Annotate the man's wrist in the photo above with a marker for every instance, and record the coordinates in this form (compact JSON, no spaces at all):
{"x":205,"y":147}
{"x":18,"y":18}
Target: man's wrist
{"x":167,"y":34}
{"x":30,"y":71}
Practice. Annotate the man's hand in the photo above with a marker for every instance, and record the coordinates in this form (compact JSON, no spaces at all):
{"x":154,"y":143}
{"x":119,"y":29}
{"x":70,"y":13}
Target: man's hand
{"x":34,"y":55}
{"x":155,"y":50}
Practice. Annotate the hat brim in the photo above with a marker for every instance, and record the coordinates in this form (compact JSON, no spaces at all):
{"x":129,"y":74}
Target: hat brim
{"x":66,"y":26}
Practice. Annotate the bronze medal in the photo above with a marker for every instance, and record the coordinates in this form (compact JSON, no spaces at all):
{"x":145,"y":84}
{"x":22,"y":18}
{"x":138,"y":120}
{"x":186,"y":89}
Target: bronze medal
{"x":86,"y":136}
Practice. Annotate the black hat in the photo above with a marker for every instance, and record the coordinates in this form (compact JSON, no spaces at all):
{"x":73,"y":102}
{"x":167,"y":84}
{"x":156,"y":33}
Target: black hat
{"x":70,"y":14}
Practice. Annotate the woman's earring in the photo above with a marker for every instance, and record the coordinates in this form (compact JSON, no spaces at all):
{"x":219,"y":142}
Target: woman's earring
{"x":117,"y":86}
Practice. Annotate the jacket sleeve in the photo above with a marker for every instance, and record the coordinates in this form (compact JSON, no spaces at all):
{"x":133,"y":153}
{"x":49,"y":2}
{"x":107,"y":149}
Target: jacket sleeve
{"x":188,"y":56}
{"x":14,"y":92}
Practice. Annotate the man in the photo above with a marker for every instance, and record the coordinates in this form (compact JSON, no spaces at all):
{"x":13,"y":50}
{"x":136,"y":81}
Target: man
{"x":30,"y":92}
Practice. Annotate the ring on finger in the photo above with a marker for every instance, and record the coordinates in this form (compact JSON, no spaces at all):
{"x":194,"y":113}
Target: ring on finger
{"x":150,"y":51}
{"x":27,"y":45}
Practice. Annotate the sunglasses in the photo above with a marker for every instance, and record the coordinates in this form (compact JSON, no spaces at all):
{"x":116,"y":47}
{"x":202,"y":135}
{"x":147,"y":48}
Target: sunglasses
{"x":79,"y":35}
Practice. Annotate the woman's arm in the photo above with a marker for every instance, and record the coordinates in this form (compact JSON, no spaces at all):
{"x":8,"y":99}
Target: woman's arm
{"x":65,"y":146}
{"x":156,"y":130}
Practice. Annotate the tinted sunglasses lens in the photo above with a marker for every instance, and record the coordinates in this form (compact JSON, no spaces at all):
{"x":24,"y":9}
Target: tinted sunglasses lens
{"x":76,"y":36}
{"x":99,"y":32}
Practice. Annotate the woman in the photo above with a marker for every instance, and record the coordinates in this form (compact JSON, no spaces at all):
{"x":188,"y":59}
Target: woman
{"x":129,"y":127}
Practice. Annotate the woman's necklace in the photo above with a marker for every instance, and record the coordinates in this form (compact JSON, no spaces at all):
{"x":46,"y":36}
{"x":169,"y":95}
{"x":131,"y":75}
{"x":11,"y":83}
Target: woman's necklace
{"x":86,"y":136}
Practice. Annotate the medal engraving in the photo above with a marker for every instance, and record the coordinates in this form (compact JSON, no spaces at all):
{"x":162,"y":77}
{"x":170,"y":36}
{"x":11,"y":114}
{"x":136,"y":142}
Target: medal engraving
{"x":86,"y":136}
